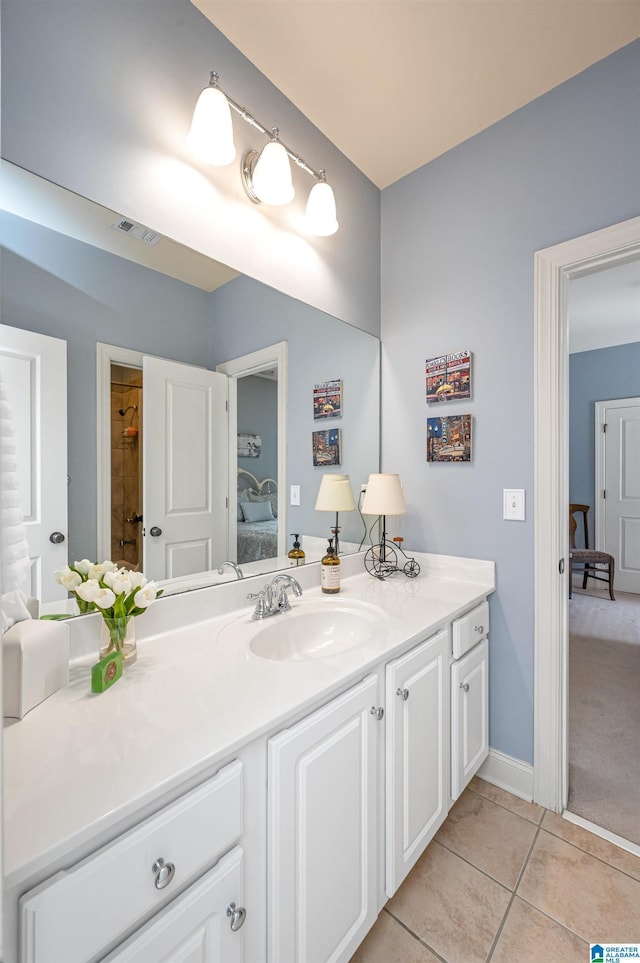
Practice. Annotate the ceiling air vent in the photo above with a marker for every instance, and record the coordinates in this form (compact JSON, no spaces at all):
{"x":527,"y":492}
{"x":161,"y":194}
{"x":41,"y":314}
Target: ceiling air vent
{"x":138,"y":231}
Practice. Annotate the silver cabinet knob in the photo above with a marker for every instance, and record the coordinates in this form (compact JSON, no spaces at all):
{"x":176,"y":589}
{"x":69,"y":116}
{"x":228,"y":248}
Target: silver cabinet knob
{"x":464,"y":686}
{"x":155,"y":531}
{"x":377,"y":712}
{"x":164,"y":873}
{"x":56,"y":537}
{"x":479,"y":628}
{"x":237,"y":916}
{"x":403,"y":693}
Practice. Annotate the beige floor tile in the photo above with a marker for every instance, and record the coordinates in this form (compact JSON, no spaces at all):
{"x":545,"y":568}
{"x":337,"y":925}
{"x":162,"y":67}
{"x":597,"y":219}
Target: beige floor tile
{"x":521,"y":807}
{"x":529,"y":936}
{"x":389,"y":942}
{"x":489,"y":836}
{"x":622,"y":860}
{"x":594,"y":900}
{"x":452,"y":906}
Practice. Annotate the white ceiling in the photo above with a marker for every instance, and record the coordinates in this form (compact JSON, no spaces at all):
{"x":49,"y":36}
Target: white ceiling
{"x":603,"y":309}
{"x":396,"y":83}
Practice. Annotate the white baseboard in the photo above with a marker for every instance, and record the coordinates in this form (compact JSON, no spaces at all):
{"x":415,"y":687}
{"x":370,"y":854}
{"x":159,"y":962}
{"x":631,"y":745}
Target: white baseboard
{"x":508,"y":773}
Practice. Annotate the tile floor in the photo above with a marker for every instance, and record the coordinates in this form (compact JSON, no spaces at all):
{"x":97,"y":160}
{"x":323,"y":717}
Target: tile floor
{"x":508,"y":882}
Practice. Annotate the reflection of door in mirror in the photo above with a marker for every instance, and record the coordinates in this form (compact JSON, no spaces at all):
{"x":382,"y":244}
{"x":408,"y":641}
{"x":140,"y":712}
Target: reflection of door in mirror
{"x":34,"y":369}
{"x":126,"y":466}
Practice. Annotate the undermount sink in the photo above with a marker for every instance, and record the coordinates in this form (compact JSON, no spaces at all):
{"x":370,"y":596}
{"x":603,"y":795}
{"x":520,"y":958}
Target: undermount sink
{"x":317,"y":629}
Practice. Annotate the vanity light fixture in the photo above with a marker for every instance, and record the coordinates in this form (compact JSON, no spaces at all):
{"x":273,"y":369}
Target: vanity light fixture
{"x":335,"y":495}
{"x":266,"y":174}
{"x":384,"y":496}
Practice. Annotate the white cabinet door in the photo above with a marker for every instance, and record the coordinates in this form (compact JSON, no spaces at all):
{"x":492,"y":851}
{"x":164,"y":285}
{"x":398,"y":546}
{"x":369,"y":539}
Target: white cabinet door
{"x":186,"y":453}
{"x":417,"y":773}
{"x":196,"y":927}
{"x":323,"y":830}
{"x":469,"y":716}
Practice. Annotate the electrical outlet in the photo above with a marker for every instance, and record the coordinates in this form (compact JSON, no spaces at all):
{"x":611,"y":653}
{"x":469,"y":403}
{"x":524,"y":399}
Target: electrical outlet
{"x":513,"y":504}
{"x":294,"y":495}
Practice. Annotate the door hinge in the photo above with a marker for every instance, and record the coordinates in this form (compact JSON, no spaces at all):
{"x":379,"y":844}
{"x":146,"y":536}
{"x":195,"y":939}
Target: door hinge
{"x":604,"y":427}
{"x":561,"y":566}
{"x":604,"y":493}
{"x":226,"y":405}
{"x":226,"y":503}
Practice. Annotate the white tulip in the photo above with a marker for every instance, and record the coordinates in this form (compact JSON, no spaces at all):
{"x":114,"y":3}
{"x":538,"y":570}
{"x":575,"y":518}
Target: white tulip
{"x":68,"y":578}
{"x":119,"y":582}
{"x":99,"y":569}
{"x":137,"y":580}
{"x":91,"y":591}
{"x":83,"y":566}
{"x":146,"y":595}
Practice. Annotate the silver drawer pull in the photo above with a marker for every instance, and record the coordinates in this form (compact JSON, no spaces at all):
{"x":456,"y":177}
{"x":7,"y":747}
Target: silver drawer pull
{"x":164,"y":873}
{"x":378,"y":713}
{"x":238,"y":916}
{"x":479,"y":628}
{"x":403,"y":693}
{"x":464,"y":686}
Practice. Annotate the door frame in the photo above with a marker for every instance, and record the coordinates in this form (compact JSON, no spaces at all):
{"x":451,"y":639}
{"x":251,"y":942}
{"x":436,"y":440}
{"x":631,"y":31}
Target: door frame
{"x":250,"y":364}
{"x":600,"y":450}
{"x":554,"y":267}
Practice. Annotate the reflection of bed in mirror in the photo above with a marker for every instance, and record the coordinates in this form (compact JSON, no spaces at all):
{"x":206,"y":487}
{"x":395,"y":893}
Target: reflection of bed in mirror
{"x":257,"y":517}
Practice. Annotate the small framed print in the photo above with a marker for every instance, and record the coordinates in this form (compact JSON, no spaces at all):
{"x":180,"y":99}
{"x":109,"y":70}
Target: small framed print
{"x":449,"y":438}
{"x":448,"y":377}
{"x":327,"y":400}
{"x":249,"y":446}
{"x":327,"y":447}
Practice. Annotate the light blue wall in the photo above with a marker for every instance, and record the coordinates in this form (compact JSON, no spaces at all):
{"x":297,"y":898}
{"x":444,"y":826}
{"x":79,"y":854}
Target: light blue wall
{"x":595,"y":376}
{"x":458,"y":242}
{"x":258,"y":415}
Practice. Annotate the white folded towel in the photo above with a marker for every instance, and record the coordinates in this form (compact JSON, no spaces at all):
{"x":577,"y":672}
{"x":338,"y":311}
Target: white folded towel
{"x":14,"y":550}
{"x":14,"y":609}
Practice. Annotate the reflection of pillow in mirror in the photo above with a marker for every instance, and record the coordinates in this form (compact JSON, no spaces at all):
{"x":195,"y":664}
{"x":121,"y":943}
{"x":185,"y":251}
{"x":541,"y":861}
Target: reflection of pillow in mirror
{"x":256,"y":511}
{"x":240,"y":515}
{"x":271,"y":497}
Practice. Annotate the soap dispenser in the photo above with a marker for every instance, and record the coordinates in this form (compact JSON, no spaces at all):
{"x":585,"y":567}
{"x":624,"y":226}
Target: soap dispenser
{"x":296,"y":555}
{"x":330,"y":571}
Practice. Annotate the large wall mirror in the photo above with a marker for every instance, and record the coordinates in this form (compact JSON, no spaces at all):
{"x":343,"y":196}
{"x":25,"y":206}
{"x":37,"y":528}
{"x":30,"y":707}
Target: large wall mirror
{"x":184,"y":380}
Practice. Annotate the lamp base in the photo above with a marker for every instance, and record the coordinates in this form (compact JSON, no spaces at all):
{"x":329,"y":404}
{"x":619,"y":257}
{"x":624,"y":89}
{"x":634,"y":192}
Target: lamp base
{"x":381,"y":561}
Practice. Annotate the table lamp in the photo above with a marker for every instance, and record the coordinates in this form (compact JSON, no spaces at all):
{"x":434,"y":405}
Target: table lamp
{"x":335,"y":495}
{"x":384,"y":497}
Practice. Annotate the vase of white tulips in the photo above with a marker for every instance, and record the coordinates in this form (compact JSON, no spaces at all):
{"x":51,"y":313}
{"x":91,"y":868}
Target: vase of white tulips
{"x":118,"y":594}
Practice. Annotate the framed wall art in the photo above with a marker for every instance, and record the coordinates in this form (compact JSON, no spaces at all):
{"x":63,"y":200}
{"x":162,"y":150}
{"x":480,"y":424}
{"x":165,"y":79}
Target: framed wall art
{"x":327,"y":447}
{"x":327,"y":400}
{"x":449,"y":438}
{"x":448,"y":377}
{"x":249,"y":446}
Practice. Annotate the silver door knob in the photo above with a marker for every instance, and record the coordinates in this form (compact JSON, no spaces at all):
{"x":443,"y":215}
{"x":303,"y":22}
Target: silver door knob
{"x":403,"y":693}
{"x":155,"y":531}
{"x":56,"y":538}
{"x":237,"y":916}
{"x":164,"y":873}
{"x":464,"y":686}
{"x":479,"y":628}
{"x":378,"y":712}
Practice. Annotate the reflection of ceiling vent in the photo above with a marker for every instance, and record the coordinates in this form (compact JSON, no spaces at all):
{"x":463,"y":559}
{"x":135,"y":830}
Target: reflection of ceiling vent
{"x":137,"y":230}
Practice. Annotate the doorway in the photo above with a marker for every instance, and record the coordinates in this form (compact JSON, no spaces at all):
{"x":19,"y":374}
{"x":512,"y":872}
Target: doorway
{"x":554,"y":268}
{"x":126,"y":466}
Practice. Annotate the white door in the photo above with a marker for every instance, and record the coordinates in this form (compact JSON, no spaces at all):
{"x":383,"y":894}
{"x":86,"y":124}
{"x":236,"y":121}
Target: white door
{"x":417,"y":774}
{"x":322,"y":842}
{"x":621,"y":505}
{"x":469,"y":716}
{"x":34,"y":369}
{"x":195,"y":928}
{"x":185,"y":468}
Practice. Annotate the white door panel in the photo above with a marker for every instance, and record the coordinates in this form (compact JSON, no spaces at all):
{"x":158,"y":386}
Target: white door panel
{"x":185,"y":468}
{"x":34,"y":368}
{"x":622,"y":485}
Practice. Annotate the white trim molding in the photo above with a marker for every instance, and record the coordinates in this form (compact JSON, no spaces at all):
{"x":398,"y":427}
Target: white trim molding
{"x":554,"y":268}
{"x":508,"y":773}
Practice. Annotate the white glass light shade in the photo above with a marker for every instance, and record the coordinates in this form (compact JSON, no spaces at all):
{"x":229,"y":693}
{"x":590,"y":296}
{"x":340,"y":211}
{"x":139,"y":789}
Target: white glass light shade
{"x":335,"y":494}
{"x":384,"y":496}
{"x":320,"y":215}
{"x":211,"y":134}
{"x":271,"y":177}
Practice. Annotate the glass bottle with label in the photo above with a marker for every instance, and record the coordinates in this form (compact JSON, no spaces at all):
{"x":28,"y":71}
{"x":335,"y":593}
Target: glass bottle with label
{"x":330,"y":571}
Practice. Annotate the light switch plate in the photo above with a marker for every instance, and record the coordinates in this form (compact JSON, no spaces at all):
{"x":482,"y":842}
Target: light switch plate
{"x":513,"y":504}
{"x":295,"y":495}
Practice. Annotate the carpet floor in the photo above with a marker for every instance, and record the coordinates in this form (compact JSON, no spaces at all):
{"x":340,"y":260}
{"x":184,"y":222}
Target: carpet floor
{"x":604,"y":710}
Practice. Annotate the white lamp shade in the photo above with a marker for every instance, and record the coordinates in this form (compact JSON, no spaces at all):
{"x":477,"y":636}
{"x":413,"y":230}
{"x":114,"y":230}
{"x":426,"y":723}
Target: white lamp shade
{"x":211,"y":134}
{"x":384,"y":496}
{"x":271,"y":178}
{"x":335,"y":494}
{"x":320,"y":215}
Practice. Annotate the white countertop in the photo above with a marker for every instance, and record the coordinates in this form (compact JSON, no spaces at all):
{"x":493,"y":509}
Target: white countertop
{"x":79,"y":762}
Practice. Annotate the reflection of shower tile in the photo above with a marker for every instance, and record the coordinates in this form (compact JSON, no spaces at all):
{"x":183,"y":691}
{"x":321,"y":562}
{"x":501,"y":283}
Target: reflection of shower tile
{"x":130,"y":486}
{"x":116,"y":463}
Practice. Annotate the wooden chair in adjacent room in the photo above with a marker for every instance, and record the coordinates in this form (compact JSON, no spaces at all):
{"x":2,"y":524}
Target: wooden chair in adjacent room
{"x":597,"y":565}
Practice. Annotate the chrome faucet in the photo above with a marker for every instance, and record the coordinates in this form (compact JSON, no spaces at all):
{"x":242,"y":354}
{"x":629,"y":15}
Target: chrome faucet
{"x":236,"y":568}
{"x":267,"y":604}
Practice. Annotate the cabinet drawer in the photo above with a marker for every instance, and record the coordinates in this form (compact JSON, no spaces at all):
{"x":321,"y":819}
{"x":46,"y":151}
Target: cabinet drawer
{"x":470,"y":629}
{"x":79,"y":912}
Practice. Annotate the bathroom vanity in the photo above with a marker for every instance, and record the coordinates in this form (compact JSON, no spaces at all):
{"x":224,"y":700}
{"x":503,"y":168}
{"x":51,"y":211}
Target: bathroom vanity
{"x":249,"y":791}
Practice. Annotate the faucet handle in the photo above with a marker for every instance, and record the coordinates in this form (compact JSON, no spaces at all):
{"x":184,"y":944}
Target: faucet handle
{"x":261,"y":609}
{"x":283,"y":600}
